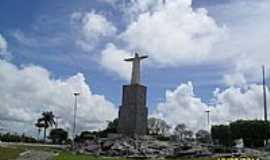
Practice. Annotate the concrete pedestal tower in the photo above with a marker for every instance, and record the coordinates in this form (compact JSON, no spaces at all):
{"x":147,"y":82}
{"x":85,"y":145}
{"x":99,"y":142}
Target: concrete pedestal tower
{"x":133,"y":111}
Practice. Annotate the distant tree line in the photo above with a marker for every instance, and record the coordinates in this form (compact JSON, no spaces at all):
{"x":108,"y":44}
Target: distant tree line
{"x":254,"y":133}
{"x":57,"y":136}
{"x":13,"y":137}
{"x":156,"y":127}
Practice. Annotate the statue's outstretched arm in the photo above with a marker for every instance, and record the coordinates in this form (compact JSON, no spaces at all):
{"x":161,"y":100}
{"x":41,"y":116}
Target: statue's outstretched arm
{"x":143,"y":57}
{"x":129,"y":59}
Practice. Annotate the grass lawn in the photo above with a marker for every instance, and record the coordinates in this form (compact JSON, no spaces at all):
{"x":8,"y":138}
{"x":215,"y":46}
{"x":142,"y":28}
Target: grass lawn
{"x":10,"y":153}
{"x":70,"y":156}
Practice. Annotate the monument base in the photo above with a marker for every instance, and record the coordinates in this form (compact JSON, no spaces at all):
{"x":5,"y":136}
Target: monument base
{"x":133,"y":111}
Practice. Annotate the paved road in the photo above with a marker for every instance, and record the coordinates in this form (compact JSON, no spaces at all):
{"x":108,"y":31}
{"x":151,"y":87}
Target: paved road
{"x":36,"y":155}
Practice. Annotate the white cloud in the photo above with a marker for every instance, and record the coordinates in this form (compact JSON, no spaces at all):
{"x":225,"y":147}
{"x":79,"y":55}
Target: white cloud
{"x":3,"y":47}
{"x":237,"y":103}
{"x":249,"y":36}
{"x":112,"y":59}
{"x":3,"y":43}
{"x":236,"y":79}
{"x":183,"y":106}
{"x":26,"y":92}
{"x":92,"y":28}
{"x":174,"y":34}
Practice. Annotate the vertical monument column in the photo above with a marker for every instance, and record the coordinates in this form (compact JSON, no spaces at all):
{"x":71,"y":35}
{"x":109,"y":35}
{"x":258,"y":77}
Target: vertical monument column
{"x":133,"y":111}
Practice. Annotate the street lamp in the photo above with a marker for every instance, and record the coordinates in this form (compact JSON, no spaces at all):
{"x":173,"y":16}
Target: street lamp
{"x":76,"y":94}
{"x":208,"y":118}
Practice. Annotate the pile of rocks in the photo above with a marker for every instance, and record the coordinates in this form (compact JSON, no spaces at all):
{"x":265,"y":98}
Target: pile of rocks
{"x":140,"y":147}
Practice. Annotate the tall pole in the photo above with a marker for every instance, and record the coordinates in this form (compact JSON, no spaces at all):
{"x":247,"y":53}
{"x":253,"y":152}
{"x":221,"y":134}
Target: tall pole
{"x":76,"y":94}
{"x":208,"y":118}
{"x":164,"y":2}
{"x":264,"y":94}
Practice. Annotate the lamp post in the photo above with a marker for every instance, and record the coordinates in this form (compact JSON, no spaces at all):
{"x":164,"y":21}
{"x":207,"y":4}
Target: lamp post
{"x":264,"y":94}
{"x":76,"y":94}
{"x":208,"y":118}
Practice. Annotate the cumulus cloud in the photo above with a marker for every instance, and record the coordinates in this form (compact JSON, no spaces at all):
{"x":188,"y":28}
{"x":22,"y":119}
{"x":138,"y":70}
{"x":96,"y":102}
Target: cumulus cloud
{"x":236,"y":79}
{"x":183,"y":106}
{"x":173,"y":33}
{"x":112,"y":59}
{"x":92,"y":27}
{"x":238,"y":103}
{"x":28,"y":91}
{"x":248,"y":38}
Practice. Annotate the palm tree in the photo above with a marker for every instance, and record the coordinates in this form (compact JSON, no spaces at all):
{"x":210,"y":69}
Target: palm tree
{"x":46,"y":121}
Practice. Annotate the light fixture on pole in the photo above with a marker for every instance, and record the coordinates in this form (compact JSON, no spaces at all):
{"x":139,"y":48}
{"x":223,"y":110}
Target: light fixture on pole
{"x":76,"y":94}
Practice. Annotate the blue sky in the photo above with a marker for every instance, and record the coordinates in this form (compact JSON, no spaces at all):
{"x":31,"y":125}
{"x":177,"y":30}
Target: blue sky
{"x":213,"y":49}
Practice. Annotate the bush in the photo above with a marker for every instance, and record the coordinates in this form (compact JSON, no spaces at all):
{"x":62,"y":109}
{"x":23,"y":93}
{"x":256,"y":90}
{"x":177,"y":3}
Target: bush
{"x":221,"y":149}
{"x":58,"y":136}
{"x":163,"y":138}
{"x":203,"y":136}
{"x":86,"y":135}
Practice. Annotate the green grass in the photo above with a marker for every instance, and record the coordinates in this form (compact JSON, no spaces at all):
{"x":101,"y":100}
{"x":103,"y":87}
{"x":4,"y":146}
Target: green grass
{"x":10,"y":153}
{"x":70,"y":156}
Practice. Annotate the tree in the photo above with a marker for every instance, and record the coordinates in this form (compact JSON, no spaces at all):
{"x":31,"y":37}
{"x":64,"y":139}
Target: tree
{"x":46,"y":121}
{"x":222,"y":134}
{"x":112,"y":126}
{"x":11,"y":137}
{"x":203,"y":136}
{"x":248,"y":130}
{"x":157,"y":127}
{"x":179,"y":130}
{"x":58,"y":135}
{"x":86,"y":135}
{"x":188,"y":134}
